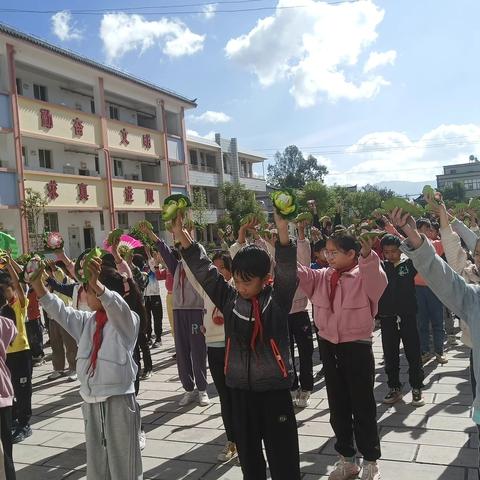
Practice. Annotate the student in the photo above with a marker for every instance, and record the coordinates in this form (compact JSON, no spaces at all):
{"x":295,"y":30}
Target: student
{"x":345,"y":298}
{"x":106,"y":339}
{"x":397,"y":312}
{"x":34,"y":329}
{"x":8,"y":331}
{"x":153,"y":301}
{"x":258,"y":366}
{"x":19,"y":357}
{"x":319,"y":258}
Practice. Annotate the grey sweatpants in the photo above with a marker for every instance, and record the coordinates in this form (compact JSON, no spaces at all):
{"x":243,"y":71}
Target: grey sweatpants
{"x":190,"y":348}
{"x":111,"y":430}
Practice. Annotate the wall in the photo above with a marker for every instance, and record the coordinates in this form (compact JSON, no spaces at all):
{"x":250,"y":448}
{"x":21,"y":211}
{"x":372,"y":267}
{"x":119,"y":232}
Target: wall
{"x":8,"y":189}
{"x":5,"y":111}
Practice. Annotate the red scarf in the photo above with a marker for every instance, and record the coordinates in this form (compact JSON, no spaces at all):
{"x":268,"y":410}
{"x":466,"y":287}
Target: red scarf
{"x":334,"y":281}
{"x":257,"y":325}
{"x":100,"y":320}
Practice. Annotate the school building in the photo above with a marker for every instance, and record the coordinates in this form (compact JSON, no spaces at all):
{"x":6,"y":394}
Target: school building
{"x":468,"y":174}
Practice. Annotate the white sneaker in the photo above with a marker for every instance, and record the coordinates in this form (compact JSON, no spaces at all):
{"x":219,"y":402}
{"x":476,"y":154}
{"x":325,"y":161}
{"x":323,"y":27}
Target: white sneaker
{"x":188,"y":397}
{"x":344,"y":470}
{"x":370,"y":471}
{"x":72,"y":376}
{"x":55,"y":374}
{"x":228,"y":452}
{"x":203,"y":399}
{"x":142,"y":439}
{"x":441,"y":358}
{"x":303,"y":399}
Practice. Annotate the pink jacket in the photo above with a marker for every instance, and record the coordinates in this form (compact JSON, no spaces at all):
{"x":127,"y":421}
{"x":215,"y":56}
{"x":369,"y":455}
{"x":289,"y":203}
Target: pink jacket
{"x":356,"y":299}
{"x":304,"y":255}
{"x":8,"y":331}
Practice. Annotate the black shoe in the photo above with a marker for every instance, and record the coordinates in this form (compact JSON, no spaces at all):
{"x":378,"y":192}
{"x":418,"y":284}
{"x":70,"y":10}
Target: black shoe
{"x":21,"y":434}
{"x":417,"y":398}
{"x":320,"y":373}
{"x":14,"y":427}
{"x":394,"y":395}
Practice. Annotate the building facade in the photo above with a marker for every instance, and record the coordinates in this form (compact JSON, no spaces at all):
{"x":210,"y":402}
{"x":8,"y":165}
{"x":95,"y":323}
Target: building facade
{"x":468,"y":174}
{"x":104,"y":147}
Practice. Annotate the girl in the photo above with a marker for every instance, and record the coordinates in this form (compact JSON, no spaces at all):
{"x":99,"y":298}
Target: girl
{"x":106,"y":369}
{"x":345,"y":298}
{"x":8,"y":331}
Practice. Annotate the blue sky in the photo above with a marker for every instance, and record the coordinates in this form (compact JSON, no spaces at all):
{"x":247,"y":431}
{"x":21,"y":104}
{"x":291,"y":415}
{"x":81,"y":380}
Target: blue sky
{"x":376,"y":89}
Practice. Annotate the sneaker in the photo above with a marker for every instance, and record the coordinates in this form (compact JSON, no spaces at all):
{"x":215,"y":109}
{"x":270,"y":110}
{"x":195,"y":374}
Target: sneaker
{"x":426,"y":357}
{"x":72,"y":376}
{"x":294,"y":394}
{"x":303,"y":399}
{"x":142,"y":439}
{"x":452,"y":340}
{"x":146,"y":374}
{"x":417,"y":398}
{"x":370,"y":471}
{"x":228,"y":452}
{"x":55,"y":375}
{"x":441,"y":358}
{"x":37,"y":358}
{"x":21,"y":433}
{"x":203,"y":399}
{"x":393,"y":396}
{"x":188,"y":397}
{"x":344,"y":470}
{"x":155,"y":345}
{"x":320,"y":373}
{"x":38,"y":363}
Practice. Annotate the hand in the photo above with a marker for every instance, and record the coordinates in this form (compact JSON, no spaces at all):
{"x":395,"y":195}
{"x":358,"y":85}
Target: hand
{"x":402,"y":220}
{"x":148,"y":233}
{"x":94,"y":270}
{"x":316,"y":234}
{"x":312,"y":206}
{"x":177,"y":224}
{"x":301,"y":229}
{"x":367,"y":245}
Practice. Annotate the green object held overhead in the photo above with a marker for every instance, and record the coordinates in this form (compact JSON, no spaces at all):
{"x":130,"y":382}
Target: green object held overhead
{"x":285,"y":202}
{"x":396,"y":202}
{"x":9,"y":243}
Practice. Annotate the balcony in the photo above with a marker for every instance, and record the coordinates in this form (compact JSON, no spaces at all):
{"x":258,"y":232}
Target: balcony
{"x":58,"y":123}
{"x":68,"y":192}
{"x":126,"y":138}
{"x":138,"y":196}
{"x":175,"y":149}
{"x":257,"y":184}
{"x":204,"y":176}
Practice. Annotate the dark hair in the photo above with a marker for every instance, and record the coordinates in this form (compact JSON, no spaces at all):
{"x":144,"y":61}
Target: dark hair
{"x":251,"y":262}
{"x":225,"y":258}
{"x":139,"y":261}
{"x":345,"y":242}
{"x":423,"y":222}
{"x":6,"y":280}
{"x":319,"y":245}
{"x":390,"y":240}
{"x":380,"y":222}
{"x":3,"y":299}
{"x":176,"y":253}
{"x":436,"y":226}
{"x":108,"y":260}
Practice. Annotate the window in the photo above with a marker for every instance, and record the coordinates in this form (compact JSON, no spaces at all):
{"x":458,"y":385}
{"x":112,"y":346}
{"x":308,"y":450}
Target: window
{"x":24,"y":156}
{"x":51,"y":222}
{"x":78,"y":106}
{"x":97,"y":164}
{"x":173,"y":123}
{"x":84,"y":172}
{"x":226,"y":165}
{"x":102,"y":222}
{"x":92,"y":106}
{"x":117,"y":168}
{"x":193,"y":157}
{"x":114,"y":112}
{"x":19,"y":84}
{"x":45,"y":158}
{"x":40,"y":92}
{"x":123,"y":220}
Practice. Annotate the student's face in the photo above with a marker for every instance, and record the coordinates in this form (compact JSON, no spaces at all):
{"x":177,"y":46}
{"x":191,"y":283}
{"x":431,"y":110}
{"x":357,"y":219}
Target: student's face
{"x":9,"y":293}
{"x":425,"y":229}
{"x":337,"y":258}
{"x":320,"y":256}
{"x":391,"y":253}
{"x":222,"y":269}
{"x":92,"y":300}
{"x":248,"y":289}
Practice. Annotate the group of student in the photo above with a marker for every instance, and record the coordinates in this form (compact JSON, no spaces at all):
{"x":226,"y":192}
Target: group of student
{"x":245,"y":310}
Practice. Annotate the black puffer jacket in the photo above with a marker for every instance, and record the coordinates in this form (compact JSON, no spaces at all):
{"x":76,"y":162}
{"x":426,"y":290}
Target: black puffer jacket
{"x":269,"y":365}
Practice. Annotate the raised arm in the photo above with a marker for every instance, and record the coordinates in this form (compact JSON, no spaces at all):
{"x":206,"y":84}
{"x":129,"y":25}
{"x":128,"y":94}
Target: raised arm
{"x":16,"y":284}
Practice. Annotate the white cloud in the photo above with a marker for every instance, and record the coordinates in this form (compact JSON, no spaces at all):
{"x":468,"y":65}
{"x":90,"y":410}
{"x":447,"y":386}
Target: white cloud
{"x":63,"y":27}
{"x":388,"y":156}
{"x":193,"y":133}
{"x":379,"y":59}
{"x":122,"y":33}
{"x":316,"y":48}
{"x":209,"y":10}
{"x":211,"y":117}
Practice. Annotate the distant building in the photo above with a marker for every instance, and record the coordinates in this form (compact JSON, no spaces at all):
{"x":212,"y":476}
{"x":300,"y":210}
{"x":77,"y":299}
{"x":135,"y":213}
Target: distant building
{"x":468,"y":174}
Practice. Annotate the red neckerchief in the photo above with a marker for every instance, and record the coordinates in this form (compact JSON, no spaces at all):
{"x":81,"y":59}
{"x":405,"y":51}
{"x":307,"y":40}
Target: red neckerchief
{"x":257,"y":325}
{"x":334,"y":281}
{"x":100,"y":320}
{"x":217,"y":319}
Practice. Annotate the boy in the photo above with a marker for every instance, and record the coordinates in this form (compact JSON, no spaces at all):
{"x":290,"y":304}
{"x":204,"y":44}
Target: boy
{"x":397,"y":313}
{"x":258,"y":365}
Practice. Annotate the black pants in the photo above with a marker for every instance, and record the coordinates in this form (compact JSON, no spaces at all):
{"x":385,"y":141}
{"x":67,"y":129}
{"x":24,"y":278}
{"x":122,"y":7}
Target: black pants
{"x":216,"y":362}
{"x":300,"y":330}
{"x":20,"y":366}
{"x":402,"y":328}
{"x":266,"y":416}
{"x":153,"y":306}
{"x":6,"y":437}
{"x":472,"y":376}
{"x":35,"y":337}
{"x":146,"y":355}
{"x":349,"y":377}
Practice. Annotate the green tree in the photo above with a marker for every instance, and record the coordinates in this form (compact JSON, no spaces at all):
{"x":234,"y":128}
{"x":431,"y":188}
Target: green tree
{"x":292,"y":170}
{"x":317,"y":191}
{"x":199,"y":209}
{"x":33,"y":208}
{"x":384,"y":192}
{"x":455,"y":193}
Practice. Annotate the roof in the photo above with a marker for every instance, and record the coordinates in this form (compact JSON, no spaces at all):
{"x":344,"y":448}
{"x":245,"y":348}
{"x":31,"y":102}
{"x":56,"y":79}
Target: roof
{"x":251,"y":154}
{"x":12,"y":32}
{"x":202,"y":141}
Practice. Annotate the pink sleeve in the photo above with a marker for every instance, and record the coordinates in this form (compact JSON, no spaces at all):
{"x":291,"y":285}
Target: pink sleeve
{"x":8,"y":331}
{"x":304,"y":252}
{"x":123,"y":267}
{"x":373,"y":276}
{"x":308,"y":278}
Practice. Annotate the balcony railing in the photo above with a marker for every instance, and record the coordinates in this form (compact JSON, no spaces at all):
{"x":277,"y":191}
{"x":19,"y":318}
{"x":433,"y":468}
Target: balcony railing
{"x":203,"y":168}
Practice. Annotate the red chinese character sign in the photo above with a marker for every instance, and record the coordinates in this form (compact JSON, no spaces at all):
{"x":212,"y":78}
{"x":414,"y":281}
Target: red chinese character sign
{"x":128,"y":194}
{"x":147,"y":141}
{"x":82,"y":192}
{"x":52,"y":193}
{"x":77,"y":127}
{"x":149,"y":195}
{"x":46,"y":119}
{"x":124,"y":137}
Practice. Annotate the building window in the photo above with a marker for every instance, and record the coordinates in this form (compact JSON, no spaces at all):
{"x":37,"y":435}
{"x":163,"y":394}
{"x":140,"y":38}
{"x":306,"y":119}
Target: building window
{"x":97,"y":164}
{"x":24,"y":156}
{"x":18,"y":82}
{"x":50,"y":222}
{"x":40,"y":92}
{"x":173,"y":123}
{"x":114,"y":112}
{"x":226,"y":165}
{"x":193,"y":157}
{"x":45,"y":158}
{"x":92,"y":106}
{"x":117,"y":168}
{"x":123,"y":220}
{"x":102,"y":222}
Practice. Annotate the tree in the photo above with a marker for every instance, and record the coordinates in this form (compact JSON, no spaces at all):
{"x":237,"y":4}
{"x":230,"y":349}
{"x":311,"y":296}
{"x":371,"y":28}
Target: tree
{"x":32,"y":208}
{"x":384,"y":192}
{"x":292,"y":170}
{"x":317,"y":191}
{"x":455,"y":193}
{"x":199,"y":209}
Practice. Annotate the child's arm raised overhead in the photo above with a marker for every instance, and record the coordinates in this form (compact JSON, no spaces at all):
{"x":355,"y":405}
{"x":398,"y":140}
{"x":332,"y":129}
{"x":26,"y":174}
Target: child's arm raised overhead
{"x":373,"y":276}
{"x":304,"y":251}
{"x":16,"y":284}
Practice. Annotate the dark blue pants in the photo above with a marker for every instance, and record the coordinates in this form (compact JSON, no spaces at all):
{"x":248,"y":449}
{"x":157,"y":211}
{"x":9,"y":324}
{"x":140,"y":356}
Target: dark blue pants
{"x":430,"y":312}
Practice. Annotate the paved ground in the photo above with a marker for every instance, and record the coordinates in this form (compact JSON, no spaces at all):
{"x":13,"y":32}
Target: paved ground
{"x":434,"y":442}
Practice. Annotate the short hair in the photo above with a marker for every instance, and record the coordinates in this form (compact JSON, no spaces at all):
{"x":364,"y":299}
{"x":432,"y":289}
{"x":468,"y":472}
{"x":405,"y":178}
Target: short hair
{"x":345,"y":242}
{"x":319,"y":245}
{"x":6,"y":280}
{"x":139,"y":261}
{"x":108,"y":260}
{"x":423,"y":222}
{"x":251,"y":262}
{"x":225,"y":258}
{"x":390,"y":240}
